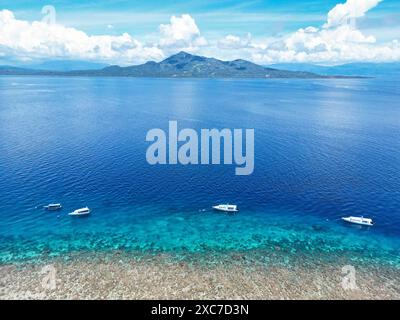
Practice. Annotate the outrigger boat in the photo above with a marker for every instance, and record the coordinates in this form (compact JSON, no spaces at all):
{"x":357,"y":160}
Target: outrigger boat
{"x":53,"y":207}
{"x":359,"y":220}
{"x":226,"y":208}
{"x":80,"y":212}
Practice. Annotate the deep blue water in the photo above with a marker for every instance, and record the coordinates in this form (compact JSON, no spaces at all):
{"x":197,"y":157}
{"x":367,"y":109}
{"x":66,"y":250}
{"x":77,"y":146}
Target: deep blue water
{"x":323,"y":149}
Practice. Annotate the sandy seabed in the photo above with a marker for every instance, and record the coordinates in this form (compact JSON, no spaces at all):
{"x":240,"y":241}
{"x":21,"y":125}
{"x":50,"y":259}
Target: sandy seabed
{"x":235,"y":276}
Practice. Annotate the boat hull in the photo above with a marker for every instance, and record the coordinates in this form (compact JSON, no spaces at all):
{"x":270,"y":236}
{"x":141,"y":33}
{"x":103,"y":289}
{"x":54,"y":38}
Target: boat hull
{"x":53,"y":207}
{"x":78,"y":214}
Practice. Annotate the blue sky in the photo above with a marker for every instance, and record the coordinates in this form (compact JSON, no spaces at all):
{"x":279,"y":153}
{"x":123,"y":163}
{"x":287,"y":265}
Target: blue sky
{"x":259,"y":17}
{"x":264,"y":22}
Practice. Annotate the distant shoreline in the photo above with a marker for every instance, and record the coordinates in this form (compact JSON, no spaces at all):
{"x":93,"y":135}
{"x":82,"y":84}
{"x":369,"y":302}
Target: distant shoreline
{"x":201,"y":78}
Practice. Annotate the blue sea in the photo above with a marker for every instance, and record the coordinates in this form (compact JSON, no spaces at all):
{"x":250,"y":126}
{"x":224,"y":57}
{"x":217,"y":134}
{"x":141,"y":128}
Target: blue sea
{"x":324,"y":149}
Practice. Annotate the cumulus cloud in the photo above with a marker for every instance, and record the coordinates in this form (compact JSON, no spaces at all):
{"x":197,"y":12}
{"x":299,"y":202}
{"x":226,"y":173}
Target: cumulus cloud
{"x":338,"y":40}
{"x":38,"y":39}
{"x":26,"y":40}
{"x":234,"y":42}
{"x":181,"y":33}
{"x":351,"y":9}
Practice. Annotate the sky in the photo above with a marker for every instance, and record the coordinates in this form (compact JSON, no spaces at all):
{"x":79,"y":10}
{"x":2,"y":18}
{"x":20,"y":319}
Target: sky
{"x":263,"y":31}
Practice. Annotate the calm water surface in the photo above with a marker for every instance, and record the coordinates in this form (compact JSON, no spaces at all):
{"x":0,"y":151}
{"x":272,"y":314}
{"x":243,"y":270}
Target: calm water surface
{"x":323,"y":149}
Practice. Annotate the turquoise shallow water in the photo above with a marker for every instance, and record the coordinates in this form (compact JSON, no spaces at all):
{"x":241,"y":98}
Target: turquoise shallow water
{"x":181,"y":232}
{"x":323,"y":149}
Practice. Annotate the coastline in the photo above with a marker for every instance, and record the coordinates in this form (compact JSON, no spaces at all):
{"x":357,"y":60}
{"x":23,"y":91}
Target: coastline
{"x":235,"y":275}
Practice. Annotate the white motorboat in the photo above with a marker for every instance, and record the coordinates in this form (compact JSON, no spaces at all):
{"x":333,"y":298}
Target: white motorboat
{"x":359,"y":220}
{"x":226,"y":208}
{"x":80,"y":212}
{"x":53,"y":206}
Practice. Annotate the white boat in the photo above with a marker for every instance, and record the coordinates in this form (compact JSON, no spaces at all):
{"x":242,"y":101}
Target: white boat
{"x":53,"y":206}
{"x":359,"y":220}
{"x":80,"y":212}
{"x":226,"y":208}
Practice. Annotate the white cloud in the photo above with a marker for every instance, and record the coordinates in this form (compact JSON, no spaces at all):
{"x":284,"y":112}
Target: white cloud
{"x":29,"y":40}
{"x":337,"y":41}
{"x":24,"y":40}
{"x":234,"y":42}
{"x":181,"y":33}
{"x":351,"y":9}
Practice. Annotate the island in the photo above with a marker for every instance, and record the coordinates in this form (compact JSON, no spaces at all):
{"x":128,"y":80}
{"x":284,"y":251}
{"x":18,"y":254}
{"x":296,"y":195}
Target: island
{"x":180,"y":65}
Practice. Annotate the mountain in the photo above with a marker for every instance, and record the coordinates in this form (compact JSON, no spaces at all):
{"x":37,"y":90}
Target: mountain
{"x":9,"y":70}
{"x":185,"y":65}
{"x":190,"y":66}
{"x":350,"y":69}
{"x":181,"y":65}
